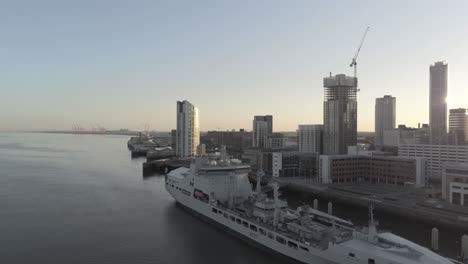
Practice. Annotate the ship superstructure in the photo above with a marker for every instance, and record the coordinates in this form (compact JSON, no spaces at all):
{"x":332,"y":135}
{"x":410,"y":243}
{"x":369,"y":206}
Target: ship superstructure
{"x":219,"y":190}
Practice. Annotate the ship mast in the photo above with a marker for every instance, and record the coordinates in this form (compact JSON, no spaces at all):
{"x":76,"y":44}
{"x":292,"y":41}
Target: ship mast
{"x":372,"y":233}
{"x":260,"y":174}
{"x":276,"y":197}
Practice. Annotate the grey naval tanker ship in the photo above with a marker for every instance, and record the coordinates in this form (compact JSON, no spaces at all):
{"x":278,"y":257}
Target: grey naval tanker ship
{"x":219,"y":191}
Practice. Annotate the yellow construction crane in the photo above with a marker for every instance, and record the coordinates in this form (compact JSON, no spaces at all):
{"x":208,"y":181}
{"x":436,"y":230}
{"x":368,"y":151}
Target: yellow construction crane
{"x":354,"y":62}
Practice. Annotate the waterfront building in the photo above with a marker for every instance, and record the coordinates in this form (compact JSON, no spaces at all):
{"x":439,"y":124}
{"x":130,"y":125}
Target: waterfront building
{"x":438,"y":103}
{"x":385,"y":117}
{"x":455,"y":183}
{"x":435,"y":155}
{"x":372,"y":169}
{"x":274,"y":141}
{"x":340,"y":114}
{"x":310,"y":138}
{"x":458,"y":126}
{"x":188,"y":133}
{"x":262,"y":126}
{"x":294,"y":164}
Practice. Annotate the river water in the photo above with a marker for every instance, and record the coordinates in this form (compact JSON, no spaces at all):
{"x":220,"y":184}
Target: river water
{"x":81,"y":199}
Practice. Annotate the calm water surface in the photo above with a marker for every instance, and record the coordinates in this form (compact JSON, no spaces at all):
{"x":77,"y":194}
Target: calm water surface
{"x":81,"y":199}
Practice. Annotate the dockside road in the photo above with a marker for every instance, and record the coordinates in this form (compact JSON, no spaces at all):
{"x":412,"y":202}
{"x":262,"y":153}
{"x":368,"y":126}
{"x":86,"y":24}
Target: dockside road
{"x":404,"y":201}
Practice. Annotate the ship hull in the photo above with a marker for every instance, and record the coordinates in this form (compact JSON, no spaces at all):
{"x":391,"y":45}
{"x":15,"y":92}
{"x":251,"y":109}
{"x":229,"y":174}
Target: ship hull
{"x":238,"y":236}
{"x":208,"y":194}
{"x":204,"y":211}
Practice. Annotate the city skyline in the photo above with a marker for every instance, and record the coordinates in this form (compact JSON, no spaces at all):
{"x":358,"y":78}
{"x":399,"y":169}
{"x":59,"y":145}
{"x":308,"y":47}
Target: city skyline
{"x":67,"y":64}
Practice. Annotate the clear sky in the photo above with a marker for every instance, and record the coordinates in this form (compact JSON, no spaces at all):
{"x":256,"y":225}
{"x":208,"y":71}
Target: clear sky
{"x":123,"y":64}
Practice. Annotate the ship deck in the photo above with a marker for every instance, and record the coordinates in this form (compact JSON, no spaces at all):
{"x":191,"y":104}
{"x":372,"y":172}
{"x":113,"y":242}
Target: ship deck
{"x":318,"y":244}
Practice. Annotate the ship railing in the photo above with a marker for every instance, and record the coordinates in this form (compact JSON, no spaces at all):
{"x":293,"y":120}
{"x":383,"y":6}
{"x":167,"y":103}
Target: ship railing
{"x":359,"y":235}
{"x":457,"y":261}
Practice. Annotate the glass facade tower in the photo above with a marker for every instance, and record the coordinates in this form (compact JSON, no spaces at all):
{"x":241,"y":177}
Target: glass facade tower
{"x":438,"y":103}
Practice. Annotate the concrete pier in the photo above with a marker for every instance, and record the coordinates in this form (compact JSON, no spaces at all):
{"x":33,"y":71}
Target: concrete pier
{"x":464,"y":248}
{"x":139,"y":152}
{"x":435,"y":239}
{"x":159,"y":154}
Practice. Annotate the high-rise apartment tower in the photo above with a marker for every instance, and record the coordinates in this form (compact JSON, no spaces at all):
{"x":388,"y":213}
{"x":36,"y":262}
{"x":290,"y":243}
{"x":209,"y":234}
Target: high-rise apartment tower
{"x":385,"y":115}
{"x":262,"y":126}
{"x":310,"y":138}
{"x":438,"y":103}
{"x":458,"y":126}
{"x":188,"y":133}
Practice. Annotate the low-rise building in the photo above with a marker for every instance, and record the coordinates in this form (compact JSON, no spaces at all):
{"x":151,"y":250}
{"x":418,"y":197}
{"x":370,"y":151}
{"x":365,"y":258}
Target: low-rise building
{"x":406,"y":135}
{"x":455,"y":183}
{"x":372,"y":169}
{"x":274,"y":141}
{"x":358,"y":151}
{"x":201,"y":150}
{"x":435,"y":155}
{"x":294,"y":164}
{"x":284,"y":163}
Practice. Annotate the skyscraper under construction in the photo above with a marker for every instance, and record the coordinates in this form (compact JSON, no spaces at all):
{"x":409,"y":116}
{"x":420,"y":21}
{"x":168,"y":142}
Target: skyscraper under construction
{"x":339,"y":114}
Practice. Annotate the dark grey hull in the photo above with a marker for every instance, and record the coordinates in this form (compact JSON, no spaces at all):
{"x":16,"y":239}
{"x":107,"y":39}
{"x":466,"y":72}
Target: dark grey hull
{"x":239,"y":236}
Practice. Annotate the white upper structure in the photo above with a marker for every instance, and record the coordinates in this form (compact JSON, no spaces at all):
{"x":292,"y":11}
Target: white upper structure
{"x":435,"y":155}
{"x":438,"y":103}
{"x":385,"y":115}
{"x":310,"y":138}
{"x":188,"y":131}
